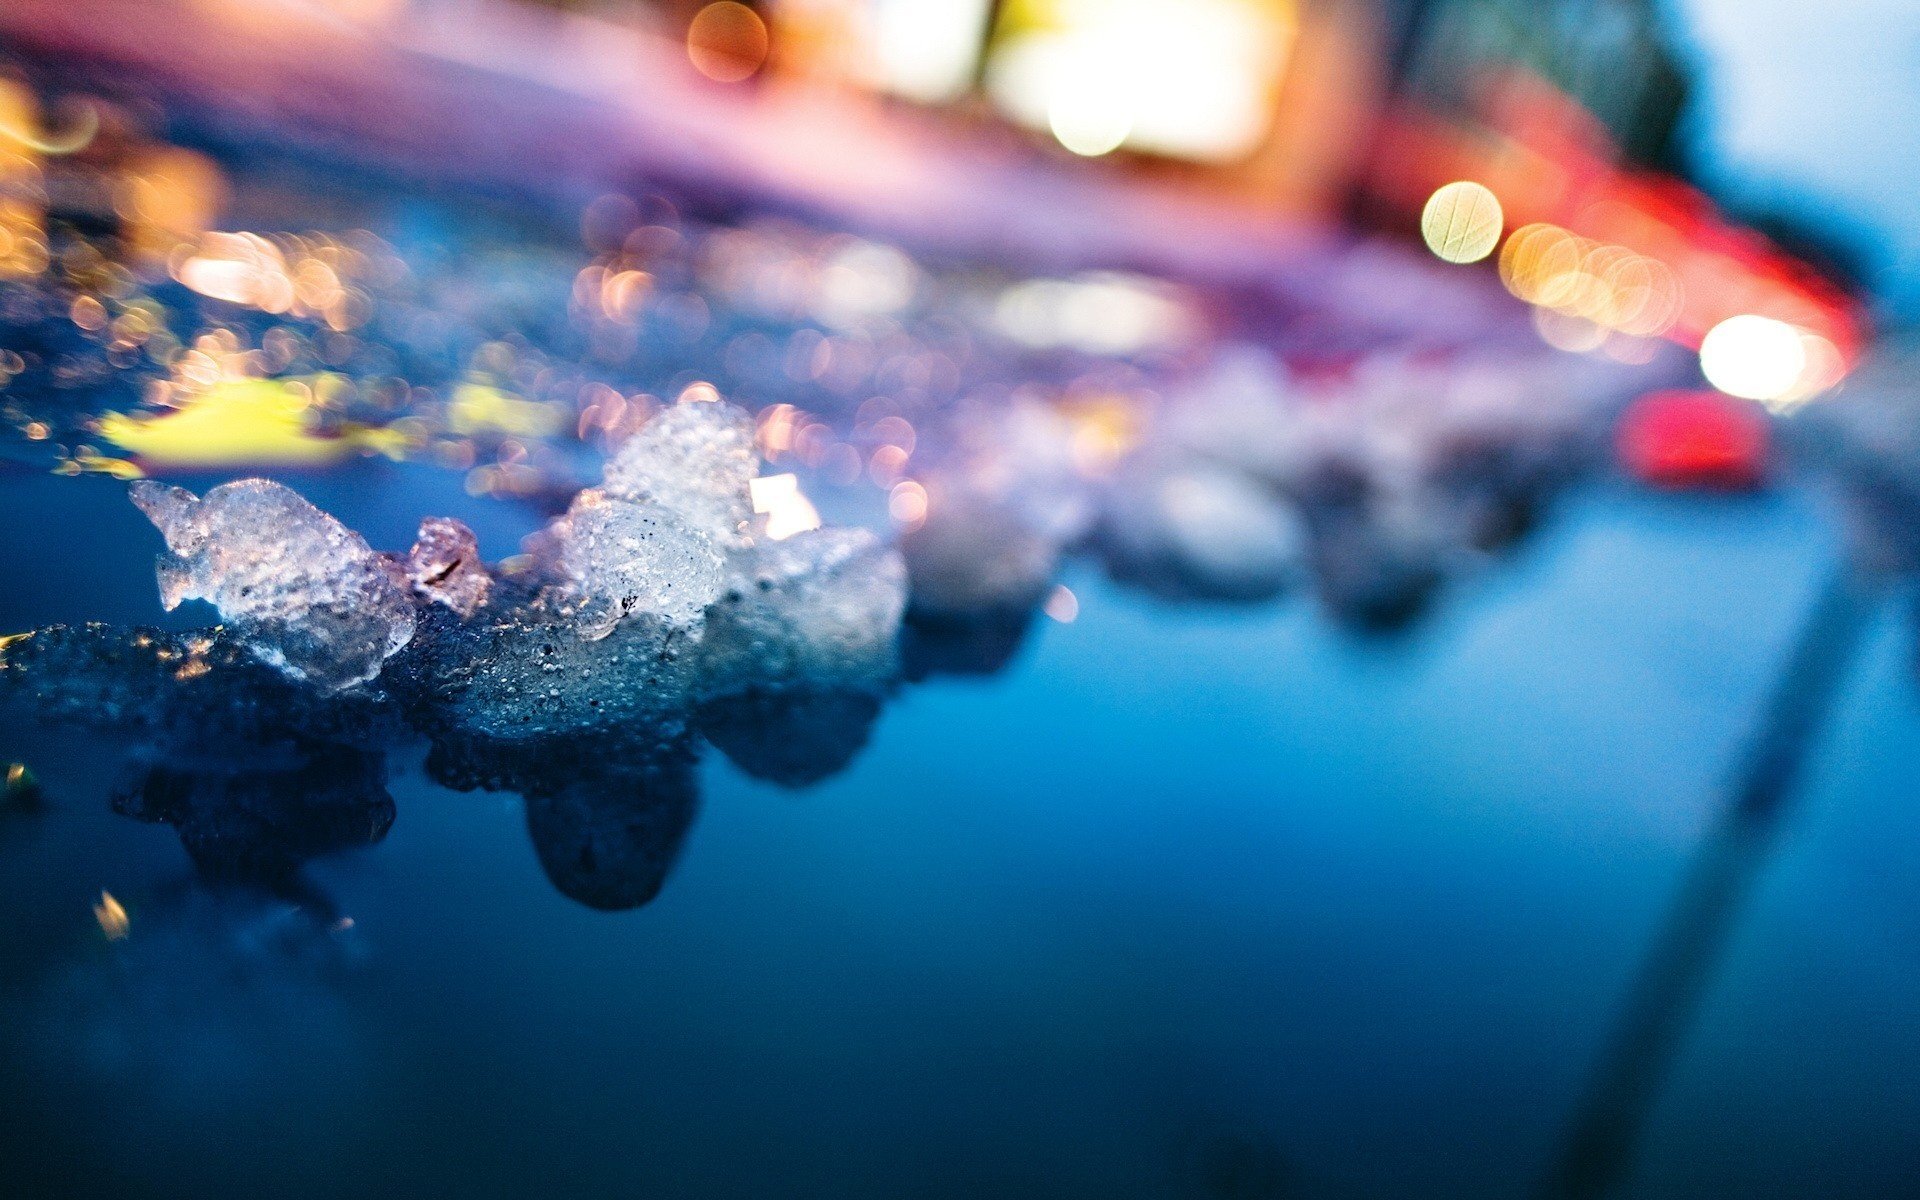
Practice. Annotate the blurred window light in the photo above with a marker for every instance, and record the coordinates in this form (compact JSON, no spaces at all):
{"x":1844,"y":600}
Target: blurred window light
{"x":1461,"y":222}
{"x":926,"y":50}
{"x":922,"y":50}
{"x":1184,"y":78}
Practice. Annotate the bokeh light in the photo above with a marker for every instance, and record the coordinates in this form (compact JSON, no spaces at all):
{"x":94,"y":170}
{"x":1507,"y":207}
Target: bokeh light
{"x":727,"y":42}
{"x":1754,"y":357}
{"x":1192,"y":80}
{"x":1461,"y":222}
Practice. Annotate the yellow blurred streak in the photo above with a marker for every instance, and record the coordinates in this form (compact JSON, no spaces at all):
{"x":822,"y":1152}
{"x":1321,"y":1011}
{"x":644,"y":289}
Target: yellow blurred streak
{"x":482,"y":408}
{"x":100,"y":464}
{"x":238,"y":421}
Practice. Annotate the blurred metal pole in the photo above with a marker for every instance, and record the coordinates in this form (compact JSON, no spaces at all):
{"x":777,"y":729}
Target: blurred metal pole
{"x":1627,"y":1076}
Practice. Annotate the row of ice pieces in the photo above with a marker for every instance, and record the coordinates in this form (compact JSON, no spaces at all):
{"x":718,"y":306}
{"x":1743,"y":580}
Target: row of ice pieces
{"x":1240,"y":484}
{"x":654,"y":591}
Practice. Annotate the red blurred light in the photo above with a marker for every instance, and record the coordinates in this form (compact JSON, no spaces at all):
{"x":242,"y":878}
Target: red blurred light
{"x":1693,"y":439}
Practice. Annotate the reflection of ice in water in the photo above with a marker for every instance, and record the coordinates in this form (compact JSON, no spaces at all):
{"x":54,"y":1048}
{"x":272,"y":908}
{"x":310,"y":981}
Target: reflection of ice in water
{"x":307,"y":592}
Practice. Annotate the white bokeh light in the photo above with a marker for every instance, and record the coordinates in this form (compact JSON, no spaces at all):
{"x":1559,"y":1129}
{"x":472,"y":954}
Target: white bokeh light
{"x":1757,"y":358}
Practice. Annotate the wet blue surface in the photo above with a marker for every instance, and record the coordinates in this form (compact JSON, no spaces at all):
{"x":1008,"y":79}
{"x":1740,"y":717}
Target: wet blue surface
{"x":1188,"y":901}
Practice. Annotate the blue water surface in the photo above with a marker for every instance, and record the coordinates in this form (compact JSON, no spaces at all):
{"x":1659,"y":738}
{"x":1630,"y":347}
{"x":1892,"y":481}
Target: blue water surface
{"x":1187,"y":901}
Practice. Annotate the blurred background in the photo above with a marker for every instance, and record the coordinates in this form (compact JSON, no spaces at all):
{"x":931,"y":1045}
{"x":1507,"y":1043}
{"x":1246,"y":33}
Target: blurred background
{"x":1407,"y":684}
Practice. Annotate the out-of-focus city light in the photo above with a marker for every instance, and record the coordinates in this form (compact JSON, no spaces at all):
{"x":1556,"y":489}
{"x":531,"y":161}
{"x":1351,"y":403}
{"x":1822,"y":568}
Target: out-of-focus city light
{"x":240,"y":268}
{"x":727,"y":42}
{"x":925,"y":50}
{"x":1605,"y":284}
{"x":1757,"y":358}
{"x":1194,"y":79}
{"x":787,"y":509}
{"x":482,"y":408}
{"x":1090,"y":120}
{"x":861,"y":280}
{"x":1568,"y":331}
{"x":1100,"y":313}
{"x":19,"y":127}
{"x":169,"y":196}
{"x":1461,"y":222}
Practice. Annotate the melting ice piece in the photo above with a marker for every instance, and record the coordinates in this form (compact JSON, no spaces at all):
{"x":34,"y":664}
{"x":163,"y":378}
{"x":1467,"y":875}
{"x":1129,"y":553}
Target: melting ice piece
{"x":305,"y":593}
{"x":697,"y":460}
{"x":444,"y":566}
{"x":820,"y":608}
{"x":624,"y":557}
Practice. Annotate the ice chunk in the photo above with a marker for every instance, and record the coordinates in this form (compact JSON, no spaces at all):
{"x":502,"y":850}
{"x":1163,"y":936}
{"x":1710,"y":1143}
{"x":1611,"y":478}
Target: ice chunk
{"x":444,"y":566}
{"x":822,"y":607}
{"x":305,"y":593}
{"x":521,"y":670}
{"x":976,"y":555}
{"x":697,"y":460}
{"x":623,"y":557}
{"x":202,"y":692}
